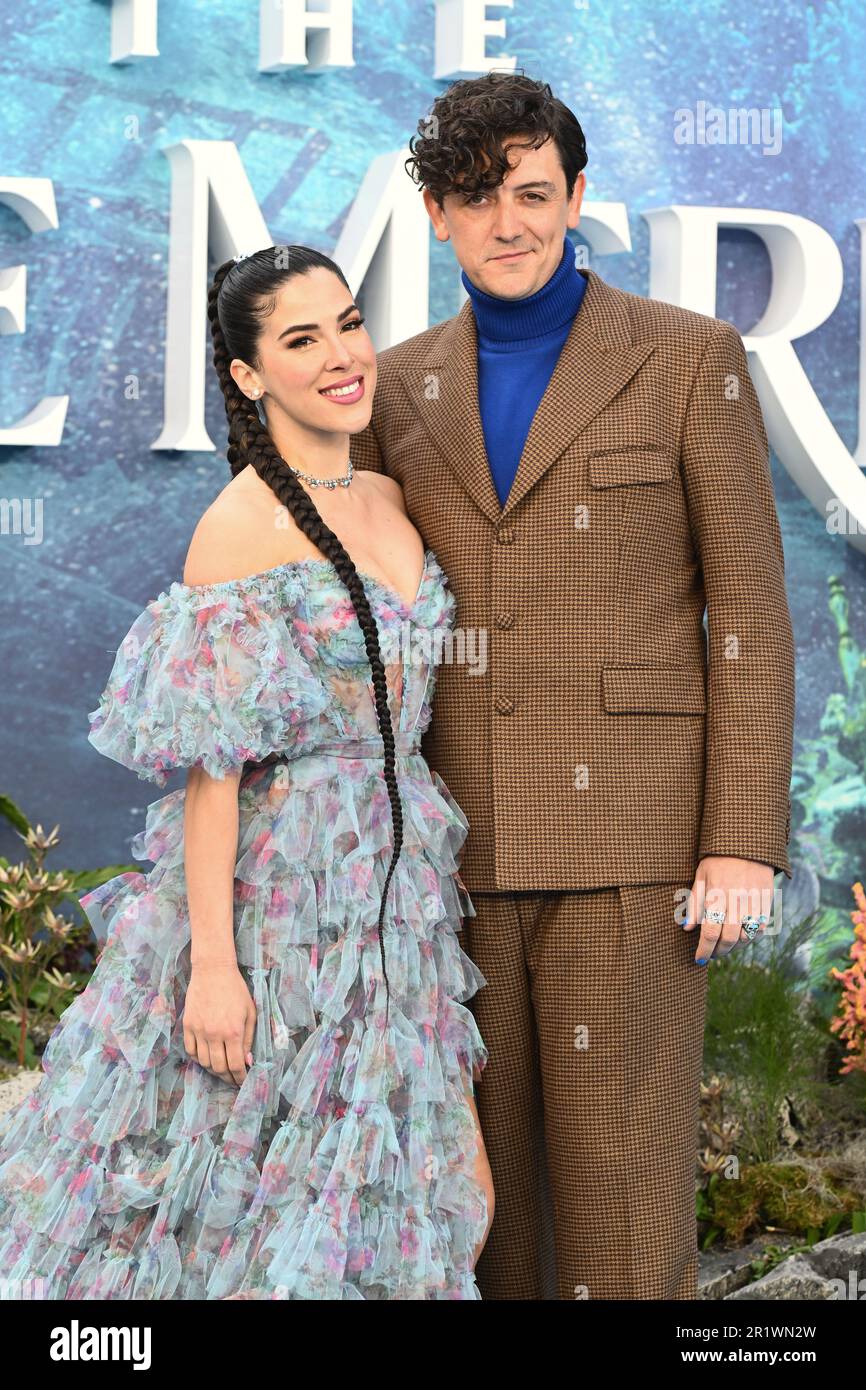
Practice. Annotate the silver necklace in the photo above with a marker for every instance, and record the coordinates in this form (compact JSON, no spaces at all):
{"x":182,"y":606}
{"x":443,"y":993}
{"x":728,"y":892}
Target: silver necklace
{"x":324,"y":482}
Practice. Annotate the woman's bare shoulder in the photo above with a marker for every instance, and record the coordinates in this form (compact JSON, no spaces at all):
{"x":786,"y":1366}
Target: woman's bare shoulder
{"x":387,"y":487}
{"x":237,"y":535}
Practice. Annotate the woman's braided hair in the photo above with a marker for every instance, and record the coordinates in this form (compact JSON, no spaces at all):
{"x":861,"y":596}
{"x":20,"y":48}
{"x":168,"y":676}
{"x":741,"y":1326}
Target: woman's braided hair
{"x":241,"y":296}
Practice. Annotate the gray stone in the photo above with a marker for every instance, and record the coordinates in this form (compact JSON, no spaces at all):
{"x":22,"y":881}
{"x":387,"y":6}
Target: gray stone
{"x":839,"y":1256}
{"x":722,"y":1270}
{"x":793,"y":1279}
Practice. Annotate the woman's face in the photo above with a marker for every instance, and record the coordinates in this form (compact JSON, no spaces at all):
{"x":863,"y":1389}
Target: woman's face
{"x":312,"y":342}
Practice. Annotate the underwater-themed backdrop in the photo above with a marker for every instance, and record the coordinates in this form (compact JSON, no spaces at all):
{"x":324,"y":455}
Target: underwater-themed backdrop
{"x":113,"y":119}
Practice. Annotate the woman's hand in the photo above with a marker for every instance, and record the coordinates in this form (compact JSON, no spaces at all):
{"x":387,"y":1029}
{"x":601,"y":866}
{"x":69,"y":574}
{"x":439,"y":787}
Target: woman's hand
{"x":219,"y":1020}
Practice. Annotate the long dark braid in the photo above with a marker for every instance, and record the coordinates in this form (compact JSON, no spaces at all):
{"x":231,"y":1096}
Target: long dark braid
{"x":240,"y":296}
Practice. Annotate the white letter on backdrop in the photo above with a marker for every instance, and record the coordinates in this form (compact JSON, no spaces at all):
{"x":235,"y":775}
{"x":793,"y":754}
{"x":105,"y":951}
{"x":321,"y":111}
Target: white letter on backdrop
{"x":385,"y":244}
{"x":293,"y":34}
{"x":462,"y":27}
{"x":213,"y":208}
{"x":133,"y":30}
{"x":33,"y":201}
{"x":806,"y":287}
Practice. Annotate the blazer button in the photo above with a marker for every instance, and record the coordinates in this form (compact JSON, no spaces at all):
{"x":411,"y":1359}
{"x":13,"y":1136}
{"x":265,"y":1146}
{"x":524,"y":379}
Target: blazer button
{"x":505,"y":620}
{"x":504,"y":705}
{"x":505,"y":535}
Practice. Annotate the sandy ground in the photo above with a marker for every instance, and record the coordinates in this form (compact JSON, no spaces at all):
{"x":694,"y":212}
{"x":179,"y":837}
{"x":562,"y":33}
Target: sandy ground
{"x":13,"y":1092}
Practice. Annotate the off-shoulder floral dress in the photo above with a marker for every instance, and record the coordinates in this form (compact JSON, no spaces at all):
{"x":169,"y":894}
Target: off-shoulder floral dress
{"x":344,"y":1165}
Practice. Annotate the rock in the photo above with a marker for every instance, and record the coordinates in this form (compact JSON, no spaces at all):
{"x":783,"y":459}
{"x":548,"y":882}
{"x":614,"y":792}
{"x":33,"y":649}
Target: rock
{"x":833,"y":1269}
{"x":839,"y":1256}
{"x":795,"y":1278}
{"x":723,"y":1270}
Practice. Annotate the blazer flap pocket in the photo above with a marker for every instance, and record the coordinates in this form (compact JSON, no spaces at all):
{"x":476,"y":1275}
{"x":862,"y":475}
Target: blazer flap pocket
{"x":654,"y":689}
{"x":620,"y":467}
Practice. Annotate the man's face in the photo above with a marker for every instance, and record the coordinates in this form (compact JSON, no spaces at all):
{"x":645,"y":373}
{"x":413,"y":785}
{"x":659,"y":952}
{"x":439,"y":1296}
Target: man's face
{"x":508,"y":240}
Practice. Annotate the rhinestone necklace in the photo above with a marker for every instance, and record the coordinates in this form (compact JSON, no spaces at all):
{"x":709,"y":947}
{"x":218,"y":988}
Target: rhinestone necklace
{"x":324,"y":482}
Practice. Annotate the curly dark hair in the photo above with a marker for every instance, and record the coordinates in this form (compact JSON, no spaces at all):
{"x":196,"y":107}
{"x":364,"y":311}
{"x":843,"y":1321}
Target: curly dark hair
{"x":241,"y":296}
{"x":459,"y":145}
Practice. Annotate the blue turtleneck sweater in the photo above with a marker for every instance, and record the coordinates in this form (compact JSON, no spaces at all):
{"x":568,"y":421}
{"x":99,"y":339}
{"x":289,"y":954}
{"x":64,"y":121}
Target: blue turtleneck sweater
{"x":519,"y":342}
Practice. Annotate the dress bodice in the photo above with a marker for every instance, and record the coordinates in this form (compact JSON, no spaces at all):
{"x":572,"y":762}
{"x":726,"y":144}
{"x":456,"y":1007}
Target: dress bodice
{"x":219,"y":674}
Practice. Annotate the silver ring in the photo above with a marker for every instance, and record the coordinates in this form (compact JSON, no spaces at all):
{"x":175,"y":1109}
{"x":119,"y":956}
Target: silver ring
{"x":752,"y":925}
{"x":715,"y":916}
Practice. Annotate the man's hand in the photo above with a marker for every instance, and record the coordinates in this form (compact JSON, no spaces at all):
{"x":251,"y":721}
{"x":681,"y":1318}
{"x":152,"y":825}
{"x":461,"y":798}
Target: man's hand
{"x":738,"y":888}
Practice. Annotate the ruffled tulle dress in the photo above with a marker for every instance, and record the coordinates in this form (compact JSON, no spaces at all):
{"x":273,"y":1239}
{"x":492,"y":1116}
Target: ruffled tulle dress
{"x":343,"y":1167}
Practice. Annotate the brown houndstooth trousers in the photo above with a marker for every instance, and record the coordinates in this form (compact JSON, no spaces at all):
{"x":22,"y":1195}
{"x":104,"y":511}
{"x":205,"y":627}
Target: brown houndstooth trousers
{"x":593,"y":1014}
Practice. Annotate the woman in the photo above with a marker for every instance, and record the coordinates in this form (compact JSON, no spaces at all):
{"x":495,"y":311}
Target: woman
{"x":266,"y":1089}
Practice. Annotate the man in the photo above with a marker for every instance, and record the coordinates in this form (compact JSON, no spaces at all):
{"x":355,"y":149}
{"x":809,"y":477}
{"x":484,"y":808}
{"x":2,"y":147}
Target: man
{"x":590,"y":468}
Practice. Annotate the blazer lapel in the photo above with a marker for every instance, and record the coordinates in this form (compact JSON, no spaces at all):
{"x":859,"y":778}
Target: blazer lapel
{"x":444,"y":391}
{"x":597,"y":359}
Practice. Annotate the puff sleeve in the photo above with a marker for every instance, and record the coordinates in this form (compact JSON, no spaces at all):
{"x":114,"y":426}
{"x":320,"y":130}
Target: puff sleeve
{"x":207,"y":676}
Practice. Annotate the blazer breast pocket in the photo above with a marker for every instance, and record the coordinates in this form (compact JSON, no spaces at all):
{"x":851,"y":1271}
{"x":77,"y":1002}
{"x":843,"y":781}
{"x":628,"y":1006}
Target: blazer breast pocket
{"x":631,"y":465}
{"x":633,"y":689}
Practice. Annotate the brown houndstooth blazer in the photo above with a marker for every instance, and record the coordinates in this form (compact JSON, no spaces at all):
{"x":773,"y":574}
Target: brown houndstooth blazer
{"x":610,"y":740}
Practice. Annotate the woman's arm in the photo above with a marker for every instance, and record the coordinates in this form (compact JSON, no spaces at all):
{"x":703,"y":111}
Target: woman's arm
{"x":211,"y":806}
{"x":210,"y":854}
{"x":219,"y":1011}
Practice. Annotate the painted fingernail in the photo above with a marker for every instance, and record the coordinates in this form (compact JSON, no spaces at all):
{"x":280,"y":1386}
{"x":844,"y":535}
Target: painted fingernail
{"x":703,"y":961}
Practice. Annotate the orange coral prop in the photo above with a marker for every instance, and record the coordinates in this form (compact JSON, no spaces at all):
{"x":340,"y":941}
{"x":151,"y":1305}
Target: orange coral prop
{"x":851,"y":1022}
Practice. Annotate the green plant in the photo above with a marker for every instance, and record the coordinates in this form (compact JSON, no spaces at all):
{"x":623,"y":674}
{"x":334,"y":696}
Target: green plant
{"x":774,"y":1255}
{"x":775,"y":1095}
{"x":804,"y":1198}
{"x":828,"y":797}
{"x":704,"y":1211}
{"x":765,"y":1036}
{"x":41,"y":950}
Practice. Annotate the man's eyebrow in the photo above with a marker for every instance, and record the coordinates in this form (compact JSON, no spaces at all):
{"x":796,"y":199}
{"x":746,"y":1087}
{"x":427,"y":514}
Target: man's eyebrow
{"x":535,"y":183}
{"x":304,"y":327}
{"x":521,"y":187}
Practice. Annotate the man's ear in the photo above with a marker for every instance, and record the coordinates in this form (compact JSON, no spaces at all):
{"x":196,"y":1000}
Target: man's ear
{"x":576,"y":199}
{"x":436,"y":215}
